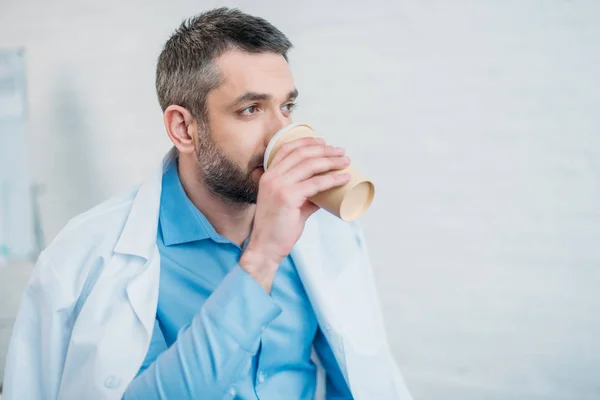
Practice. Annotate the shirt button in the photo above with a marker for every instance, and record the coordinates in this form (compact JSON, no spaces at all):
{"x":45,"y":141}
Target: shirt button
{"x":232,"y":392}
{"x":261,"y":377}
{"x":112,"y":382}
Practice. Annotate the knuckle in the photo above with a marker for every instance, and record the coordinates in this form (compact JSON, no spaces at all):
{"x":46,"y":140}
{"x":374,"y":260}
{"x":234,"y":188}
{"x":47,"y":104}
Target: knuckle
{"x":333,"y":179}
{"x":320,"y":165}
{"x":301,"y":152}
{"x":314,"y":166}
{"x":322,"y":181}
{"x":282,"y":196}
{"x":332,"y":163}
{"x":312,"y":150}
{"x":286,"y":147}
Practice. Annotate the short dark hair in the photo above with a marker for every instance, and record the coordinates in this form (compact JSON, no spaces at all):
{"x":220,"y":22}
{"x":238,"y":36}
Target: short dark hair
{"x":185,"y":72}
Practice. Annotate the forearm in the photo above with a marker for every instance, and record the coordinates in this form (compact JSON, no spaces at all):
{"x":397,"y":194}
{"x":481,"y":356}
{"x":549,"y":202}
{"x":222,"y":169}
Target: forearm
{"x":215,"y":350}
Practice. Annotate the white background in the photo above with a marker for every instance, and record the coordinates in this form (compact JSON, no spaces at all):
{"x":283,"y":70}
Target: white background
{"x":478,"y":121}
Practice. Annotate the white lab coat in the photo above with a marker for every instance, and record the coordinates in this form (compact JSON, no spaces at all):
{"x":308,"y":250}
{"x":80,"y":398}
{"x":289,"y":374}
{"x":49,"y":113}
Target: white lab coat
{"x":87,"y":314}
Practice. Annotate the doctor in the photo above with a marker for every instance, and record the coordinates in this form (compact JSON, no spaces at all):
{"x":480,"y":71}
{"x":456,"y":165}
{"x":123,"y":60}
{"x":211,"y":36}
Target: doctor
{"x":214,"y":279}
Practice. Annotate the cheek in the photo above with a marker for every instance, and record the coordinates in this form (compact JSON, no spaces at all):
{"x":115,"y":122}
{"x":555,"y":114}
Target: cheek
{"x":242,"y":145}
{"x":239,"y":140}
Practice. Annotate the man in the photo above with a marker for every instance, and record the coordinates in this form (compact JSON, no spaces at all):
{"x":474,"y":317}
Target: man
{"x":215,"y":279}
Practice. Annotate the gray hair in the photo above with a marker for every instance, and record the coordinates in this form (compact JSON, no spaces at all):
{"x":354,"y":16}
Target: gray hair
{"x":186,"y":73}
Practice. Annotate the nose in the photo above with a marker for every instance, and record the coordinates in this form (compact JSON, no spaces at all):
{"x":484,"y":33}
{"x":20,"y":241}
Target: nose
{"x":275,"y":124}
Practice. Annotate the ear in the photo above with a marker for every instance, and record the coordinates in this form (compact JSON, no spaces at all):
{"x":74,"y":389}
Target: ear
{"x":182,"y":128}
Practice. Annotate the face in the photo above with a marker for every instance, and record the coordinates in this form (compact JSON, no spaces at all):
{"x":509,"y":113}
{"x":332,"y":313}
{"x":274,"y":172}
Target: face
{"x":252,"y":103}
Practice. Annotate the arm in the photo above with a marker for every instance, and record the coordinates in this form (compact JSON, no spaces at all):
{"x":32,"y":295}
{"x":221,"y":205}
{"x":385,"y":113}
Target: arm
{"x":215,"y":350}
{"x":335,"y":384}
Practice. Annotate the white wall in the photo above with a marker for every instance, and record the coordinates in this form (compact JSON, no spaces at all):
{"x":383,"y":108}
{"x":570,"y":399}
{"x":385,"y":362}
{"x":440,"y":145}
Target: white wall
{"x":478,"y":120}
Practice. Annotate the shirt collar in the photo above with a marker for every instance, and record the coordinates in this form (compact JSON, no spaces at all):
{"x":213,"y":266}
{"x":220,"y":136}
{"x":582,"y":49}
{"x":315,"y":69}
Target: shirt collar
{"x":180,"y":220}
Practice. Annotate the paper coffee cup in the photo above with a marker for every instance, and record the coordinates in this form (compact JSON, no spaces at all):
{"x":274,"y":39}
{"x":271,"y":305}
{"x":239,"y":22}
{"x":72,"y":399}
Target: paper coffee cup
{"x":347,"y":202}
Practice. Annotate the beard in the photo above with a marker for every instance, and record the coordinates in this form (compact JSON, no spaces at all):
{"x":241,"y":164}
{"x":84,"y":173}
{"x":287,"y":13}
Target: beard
{"x":222,"y":176}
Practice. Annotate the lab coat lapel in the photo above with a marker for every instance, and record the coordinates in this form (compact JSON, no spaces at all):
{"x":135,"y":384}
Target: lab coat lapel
{"x":139,"y":239}
{"x":308,"y":258}
{"x":336,"y":275}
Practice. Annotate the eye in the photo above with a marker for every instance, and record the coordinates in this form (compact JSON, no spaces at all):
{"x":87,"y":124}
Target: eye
{"x":249,"y":110}
{"x":289,"y":107}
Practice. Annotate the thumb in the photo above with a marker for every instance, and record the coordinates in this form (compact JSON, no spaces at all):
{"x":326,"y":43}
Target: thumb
{"x":308,"y":209}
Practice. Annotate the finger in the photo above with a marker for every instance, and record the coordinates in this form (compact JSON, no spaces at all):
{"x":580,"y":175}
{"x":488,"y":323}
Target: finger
{"x":315,"y":166}
{"x":307,"y":154}
{"x":321,"y":183}
{"x":288,"y":147}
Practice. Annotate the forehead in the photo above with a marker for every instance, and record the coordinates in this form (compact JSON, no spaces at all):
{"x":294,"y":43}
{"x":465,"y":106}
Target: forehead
{"x":243,"y":72}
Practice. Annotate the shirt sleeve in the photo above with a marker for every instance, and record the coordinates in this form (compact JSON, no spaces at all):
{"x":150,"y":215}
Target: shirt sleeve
{"x":215,"y":349}
{"x":335,"y":385}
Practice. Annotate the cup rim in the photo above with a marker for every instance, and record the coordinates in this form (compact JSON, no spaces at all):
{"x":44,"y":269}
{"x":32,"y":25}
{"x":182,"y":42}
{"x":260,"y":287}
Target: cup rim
{"x":275,"y":138}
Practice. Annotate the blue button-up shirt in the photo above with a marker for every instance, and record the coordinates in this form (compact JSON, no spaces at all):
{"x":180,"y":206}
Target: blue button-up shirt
{"x":218,"y":333}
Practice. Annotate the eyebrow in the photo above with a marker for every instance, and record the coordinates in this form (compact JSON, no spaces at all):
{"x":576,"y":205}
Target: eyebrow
{"x":253,"y":96}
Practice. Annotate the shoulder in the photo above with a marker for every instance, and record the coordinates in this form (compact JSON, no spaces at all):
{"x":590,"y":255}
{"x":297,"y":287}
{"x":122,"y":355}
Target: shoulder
{"x":85,"y":239}
{"x":98,"y":226}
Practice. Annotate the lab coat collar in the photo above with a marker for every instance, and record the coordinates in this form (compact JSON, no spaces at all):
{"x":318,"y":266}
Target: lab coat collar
{"x":139,"y":233}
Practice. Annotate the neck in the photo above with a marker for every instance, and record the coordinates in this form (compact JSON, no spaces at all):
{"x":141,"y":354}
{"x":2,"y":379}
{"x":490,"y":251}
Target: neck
{"x":233,"y":221}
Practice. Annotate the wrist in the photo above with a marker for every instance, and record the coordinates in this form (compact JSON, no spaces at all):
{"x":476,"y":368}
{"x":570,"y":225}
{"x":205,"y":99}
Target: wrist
{"x":257,"y":260}
{"x":260,"y":266}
